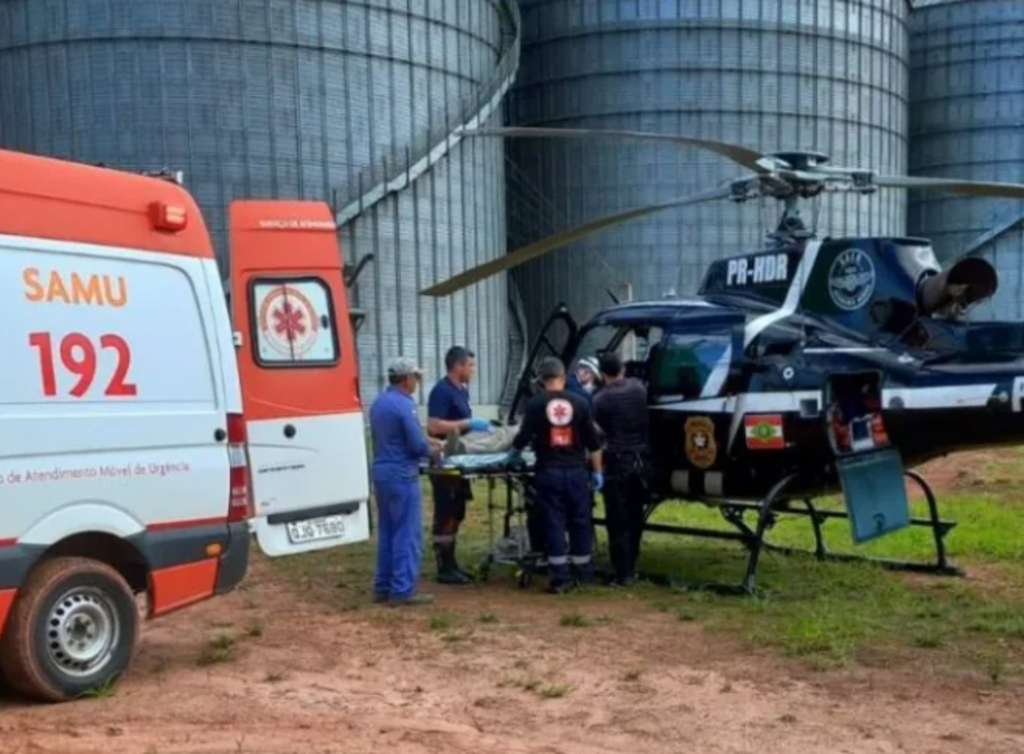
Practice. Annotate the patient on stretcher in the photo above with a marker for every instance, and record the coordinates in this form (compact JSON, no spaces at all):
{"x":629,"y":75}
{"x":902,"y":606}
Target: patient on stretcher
{"x":482,"y":451}
{"x":497,"y":440}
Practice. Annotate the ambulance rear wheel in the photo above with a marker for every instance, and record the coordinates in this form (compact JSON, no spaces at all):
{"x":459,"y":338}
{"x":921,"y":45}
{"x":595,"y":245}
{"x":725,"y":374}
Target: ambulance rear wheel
{"x":72,"y":630}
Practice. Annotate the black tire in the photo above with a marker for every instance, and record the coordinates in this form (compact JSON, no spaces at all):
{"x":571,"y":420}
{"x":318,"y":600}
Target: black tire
{"x":72,"y":630}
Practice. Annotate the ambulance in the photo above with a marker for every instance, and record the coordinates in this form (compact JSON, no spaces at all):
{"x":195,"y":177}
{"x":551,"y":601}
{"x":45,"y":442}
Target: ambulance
{"x":145,"y":430}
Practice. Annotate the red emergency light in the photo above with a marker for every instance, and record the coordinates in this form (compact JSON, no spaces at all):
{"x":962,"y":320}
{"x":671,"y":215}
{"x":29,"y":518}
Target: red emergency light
{"x":171,"y":218}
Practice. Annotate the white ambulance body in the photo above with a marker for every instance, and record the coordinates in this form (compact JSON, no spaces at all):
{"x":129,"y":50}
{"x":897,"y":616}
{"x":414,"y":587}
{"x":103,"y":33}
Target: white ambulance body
{"x":127,"y":398}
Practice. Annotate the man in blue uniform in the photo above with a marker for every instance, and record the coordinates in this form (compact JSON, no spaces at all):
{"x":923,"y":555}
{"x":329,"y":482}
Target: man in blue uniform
{"x":398,"y":446}
{"x":449,"y":413}
{"x":559,"y":425}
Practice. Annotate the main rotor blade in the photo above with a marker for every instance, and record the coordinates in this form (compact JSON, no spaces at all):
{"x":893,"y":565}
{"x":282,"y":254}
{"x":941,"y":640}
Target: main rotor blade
{"x":952,"y":185}
{"x":748,"y":158}
{"x":540,"y":248}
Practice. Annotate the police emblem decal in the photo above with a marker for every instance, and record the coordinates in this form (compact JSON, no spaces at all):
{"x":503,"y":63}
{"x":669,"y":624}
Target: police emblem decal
{"x":701,"y":449}
{"x":851,"y":279}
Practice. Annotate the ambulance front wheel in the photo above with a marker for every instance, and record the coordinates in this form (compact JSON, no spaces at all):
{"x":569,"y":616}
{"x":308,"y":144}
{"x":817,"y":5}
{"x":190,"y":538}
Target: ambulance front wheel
{"x":72,"y":630}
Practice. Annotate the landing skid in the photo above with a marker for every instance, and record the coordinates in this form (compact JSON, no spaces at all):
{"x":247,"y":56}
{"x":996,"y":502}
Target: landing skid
{"x":767,"y":513}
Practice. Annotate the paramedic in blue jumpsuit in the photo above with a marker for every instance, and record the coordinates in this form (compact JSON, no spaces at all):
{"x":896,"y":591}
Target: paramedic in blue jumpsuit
{"x":398,"y":446}
{"x":560,"y":427}
{"x":449,"y":412}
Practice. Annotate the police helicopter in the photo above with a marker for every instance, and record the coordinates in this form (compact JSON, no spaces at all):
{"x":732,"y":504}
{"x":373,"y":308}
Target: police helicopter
{"x":810,"y":367}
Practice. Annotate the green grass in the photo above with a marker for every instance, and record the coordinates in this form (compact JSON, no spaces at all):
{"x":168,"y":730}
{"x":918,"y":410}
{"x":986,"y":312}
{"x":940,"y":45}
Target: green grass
{"x":825,"y":615}
{"x":440,"y":622}
{"x":576,"y":620}
{"x":554,"y":690}
{"x":220,"y":649}
{"x":833,"y":614}
{"x":106,"y":690}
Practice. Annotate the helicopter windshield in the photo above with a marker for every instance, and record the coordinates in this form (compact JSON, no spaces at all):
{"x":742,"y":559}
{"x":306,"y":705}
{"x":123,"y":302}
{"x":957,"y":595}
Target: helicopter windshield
{"x":688,"y":365}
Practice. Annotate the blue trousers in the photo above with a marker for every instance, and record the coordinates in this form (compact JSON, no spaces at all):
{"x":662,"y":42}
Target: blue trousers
{"x":399,"y":537}
{"x":565,"y":503}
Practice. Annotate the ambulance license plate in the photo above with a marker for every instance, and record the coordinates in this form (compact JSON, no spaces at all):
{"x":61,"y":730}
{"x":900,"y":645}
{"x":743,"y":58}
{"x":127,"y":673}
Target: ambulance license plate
{"x":316,"y":529}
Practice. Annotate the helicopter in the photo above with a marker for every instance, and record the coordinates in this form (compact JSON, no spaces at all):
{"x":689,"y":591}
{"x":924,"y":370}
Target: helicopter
{"x":809,"y":367}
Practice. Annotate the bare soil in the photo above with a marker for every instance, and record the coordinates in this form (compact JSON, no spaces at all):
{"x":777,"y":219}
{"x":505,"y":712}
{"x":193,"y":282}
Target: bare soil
{"x":273,"y":670}
{"x":975,"y":471}
{"x":307,"y":677}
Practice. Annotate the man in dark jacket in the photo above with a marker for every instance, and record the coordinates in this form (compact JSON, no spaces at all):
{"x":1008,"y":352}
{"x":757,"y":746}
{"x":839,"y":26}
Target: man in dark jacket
{"x":559,"y":426}
{"x":621,"y":412}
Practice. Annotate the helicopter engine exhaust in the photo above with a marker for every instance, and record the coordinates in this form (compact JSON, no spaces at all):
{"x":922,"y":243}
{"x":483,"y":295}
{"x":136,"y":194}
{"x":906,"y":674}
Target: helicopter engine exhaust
{"x":966,"y":282}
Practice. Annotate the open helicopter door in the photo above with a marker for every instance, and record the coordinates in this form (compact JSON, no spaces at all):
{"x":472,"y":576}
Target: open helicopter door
{"x":870,"y":468}
{"x":556,"y":338}
{"x":299,"y":377}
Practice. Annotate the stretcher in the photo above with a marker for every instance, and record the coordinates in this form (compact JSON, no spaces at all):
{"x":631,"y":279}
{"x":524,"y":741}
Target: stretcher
{"x":509,"y":505}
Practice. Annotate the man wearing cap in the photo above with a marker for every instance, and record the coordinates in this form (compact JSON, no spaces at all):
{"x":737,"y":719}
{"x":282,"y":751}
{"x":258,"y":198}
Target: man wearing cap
{"x":398,"y":446}
{"x":448,"y":416}
{"x":559,"y":426}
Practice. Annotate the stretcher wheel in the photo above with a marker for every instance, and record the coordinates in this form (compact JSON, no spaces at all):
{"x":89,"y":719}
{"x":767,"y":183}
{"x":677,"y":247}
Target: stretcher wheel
{"x":525,"y":578}
{"x":484,"y":572}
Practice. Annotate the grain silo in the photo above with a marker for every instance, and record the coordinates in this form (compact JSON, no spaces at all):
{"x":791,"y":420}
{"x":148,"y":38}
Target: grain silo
{"x":967,"y":121}
{"x":824,"y":75}
{"x":349,"y":102}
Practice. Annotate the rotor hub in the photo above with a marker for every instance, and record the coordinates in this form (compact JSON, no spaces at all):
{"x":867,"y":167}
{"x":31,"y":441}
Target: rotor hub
{"x":801,"y":160}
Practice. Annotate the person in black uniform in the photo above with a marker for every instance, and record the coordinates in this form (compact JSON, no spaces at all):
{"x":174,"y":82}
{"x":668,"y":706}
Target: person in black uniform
{"x":560,"y":427}
{"x":620,"y":410}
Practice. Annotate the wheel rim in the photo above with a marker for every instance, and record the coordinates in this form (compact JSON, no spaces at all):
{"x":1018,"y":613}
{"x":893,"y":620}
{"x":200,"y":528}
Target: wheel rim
{"x":82,"y":631}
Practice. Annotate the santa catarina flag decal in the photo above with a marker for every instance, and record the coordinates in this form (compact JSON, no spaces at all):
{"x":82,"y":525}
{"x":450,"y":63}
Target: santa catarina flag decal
{"x":764,"y":432}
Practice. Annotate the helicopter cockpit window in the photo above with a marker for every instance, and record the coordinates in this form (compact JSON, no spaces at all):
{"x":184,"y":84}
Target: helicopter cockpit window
{"x":633,"y":344}
{"x":684,"y":365}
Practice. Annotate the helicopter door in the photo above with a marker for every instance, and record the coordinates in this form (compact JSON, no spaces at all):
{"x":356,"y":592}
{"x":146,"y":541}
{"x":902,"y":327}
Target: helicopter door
{"x":870,"y":468}
{"x":556,"y":338}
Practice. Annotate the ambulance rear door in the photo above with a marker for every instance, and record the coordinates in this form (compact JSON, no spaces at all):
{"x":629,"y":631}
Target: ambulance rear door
{"x":299,"y":374}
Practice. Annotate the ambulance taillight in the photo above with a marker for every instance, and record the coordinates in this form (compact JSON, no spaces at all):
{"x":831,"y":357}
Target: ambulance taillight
{"x":240,"y":500}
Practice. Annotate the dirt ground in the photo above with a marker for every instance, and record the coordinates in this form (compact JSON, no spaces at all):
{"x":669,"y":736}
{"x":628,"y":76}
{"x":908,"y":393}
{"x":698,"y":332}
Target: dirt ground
{"x":306,"y":676}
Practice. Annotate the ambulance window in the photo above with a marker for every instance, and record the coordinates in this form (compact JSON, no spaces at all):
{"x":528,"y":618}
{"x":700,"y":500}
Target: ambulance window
{"x":683,"y":365}
{"x":293,"y":322}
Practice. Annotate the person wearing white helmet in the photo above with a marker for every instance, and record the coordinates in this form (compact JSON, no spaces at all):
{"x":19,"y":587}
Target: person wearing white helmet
{"x":586,"y":378}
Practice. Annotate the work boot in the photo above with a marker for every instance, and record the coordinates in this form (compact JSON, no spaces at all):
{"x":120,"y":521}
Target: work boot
{"x":415,"y":600}
{"x":380,"y":599}
{"x":447,"y":569}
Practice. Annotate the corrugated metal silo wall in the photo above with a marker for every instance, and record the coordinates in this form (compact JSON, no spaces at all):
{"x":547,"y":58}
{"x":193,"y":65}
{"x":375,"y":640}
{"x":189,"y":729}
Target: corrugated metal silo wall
{"x":288,"y":99}
{"x":967,"y":121}
{"x":825,"y":75}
